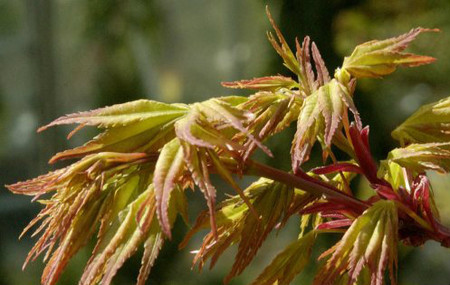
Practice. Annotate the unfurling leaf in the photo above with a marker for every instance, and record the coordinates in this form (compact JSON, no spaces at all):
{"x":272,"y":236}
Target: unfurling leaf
{"x":274,"y":112}
{"x":378,"y":58}
{"x":282,"y":48}
{"x":236,"y":224}
{"x":420,"y":157}
{"x":206,"y":132}
{"x":371,"y":242}
{"x":321,"y":115}
{"x":288,"y":263}
{"x":269,"y":83}
{"x":168,"y":170}
{"x":107,"y":192}
{"x":429,"y":124}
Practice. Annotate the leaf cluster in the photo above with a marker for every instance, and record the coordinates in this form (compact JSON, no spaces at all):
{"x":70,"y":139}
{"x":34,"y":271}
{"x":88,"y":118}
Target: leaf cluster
{"x":128,"y":185}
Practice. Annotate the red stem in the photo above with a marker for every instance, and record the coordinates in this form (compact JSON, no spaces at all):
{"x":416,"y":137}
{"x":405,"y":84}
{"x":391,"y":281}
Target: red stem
{"x":307,"y":184}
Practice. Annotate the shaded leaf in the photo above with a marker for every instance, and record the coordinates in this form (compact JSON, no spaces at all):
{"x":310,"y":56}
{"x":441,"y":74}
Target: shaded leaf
{"x":82,"y":199}
{"x":288,"y":263}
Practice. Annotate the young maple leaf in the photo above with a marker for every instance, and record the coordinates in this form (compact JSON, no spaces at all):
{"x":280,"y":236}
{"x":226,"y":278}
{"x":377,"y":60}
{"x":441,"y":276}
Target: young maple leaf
{"x":282,"y":48}
{"x":371,"y":241}
{"x":236,"y":224}
{"x":320,"y":115}
{"x":273,"y":112}
{"x":202,"y":144}
{"x":137,"y":126}
{"x":106,"y":190}
{"x":378,"y":58}
{"x":418,"y":158}
{"x":168,"y":171}
{"x":429,"y":124}
{"x":268,"y":83}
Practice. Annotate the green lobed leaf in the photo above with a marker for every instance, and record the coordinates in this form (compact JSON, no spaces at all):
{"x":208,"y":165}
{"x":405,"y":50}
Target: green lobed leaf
{"x":123,"y":115}
{"x":420,"y":157}
{"x":429,"y":124}
{"x":378,"y":58}
{"x":138,"y":126}
{"x":137,"y":137}
{"x":392,"y":173}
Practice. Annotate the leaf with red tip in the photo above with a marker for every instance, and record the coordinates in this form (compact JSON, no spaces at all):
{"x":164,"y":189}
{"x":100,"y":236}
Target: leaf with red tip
{"x":306,"y":76}
{"x":323,"y":76}
{"x":168,"y":169}
{"x":236,"y":223}
{"x":282,"y":47}
{"x":268,"y":83}
{"x":371,"y":242}
{"x":379,"y":58}
{"x":321,"y":115}
{"x":196,"y":161}
{"x":273,"y":112}
{"x":123,"y":115}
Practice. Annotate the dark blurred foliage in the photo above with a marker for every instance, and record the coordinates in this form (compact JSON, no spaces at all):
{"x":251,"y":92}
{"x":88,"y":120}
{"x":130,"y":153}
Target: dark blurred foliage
{"x":59,"y":57}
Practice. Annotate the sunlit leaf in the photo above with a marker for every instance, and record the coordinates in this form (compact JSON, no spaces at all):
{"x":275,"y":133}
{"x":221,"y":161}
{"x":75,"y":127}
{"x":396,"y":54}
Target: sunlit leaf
{"x":378,"y":58}
{"x":282,"y":48}
{"x":123,"y":114}
{"x":371,"y":242}
{"x":274,"y":112}
{"x":167,"y":173}
{"x":269,"y":83}
{"x":431,"y":123}
{"x":321,"y":114}
{"x":138,"y":126}
{"x":236,"y":224}
{"x":420,"y":157}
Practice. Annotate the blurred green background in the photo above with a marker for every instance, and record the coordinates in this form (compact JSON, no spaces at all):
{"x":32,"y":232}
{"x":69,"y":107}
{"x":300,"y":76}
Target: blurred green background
{"x":63,"y":56}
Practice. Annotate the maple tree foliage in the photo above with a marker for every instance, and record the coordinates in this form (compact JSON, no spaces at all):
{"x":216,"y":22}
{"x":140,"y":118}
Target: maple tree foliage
{"x":128,"y":186}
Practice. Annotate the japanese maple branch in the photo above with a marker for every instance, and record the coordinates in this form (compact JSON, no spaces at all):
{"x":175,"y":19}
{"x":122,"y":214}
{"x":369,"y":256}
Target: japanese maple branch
{"x":310,"y":184}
